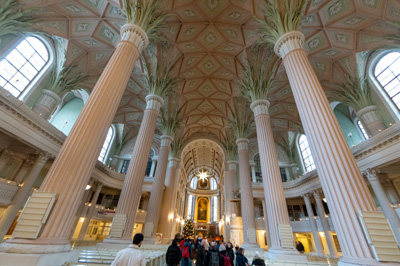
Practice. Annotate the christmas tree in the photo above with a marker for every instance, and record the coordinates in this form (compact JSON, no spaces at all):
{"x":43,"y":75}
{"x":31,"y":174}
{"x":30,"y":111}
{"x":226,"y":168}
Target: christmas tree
{"x":188,"y":228}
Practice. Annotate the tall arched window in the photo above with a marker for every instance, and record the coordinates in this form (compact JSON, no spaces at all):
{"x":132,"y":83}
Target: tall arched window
{"x":213,"y":184}
{"x":362,"y":129}
{"x":190,"y":213}
{"x":106,"y":145}
{"x":214,"y":209}
{"x":193,"y":183}
{"x":22,"y":65}
{"x":306,"y":154}
{"x":387,"y":72}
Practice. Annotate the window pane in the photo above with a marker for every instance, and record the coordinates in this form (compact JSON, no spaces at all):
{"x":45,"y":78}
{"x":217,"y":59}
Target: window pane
{"x":306,"y":154}
{"x":22,"y":65}
{"x":106,"y":145}
{"x":387,"y":73}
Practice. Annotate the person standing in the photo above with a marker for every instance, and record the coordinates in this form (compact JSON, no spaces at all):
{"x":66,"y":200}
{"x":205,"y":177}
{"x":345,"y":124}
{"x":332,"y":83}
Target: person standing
{"x":201,"y":253}
{"x":212,"y":258}
{"x":224,"y":259}
{"x":131,"y":255}
{"x":187,"y":253}
{"x":229,"y":252}
{"x":173,"y":256}
{"x":257,"y":260}
{"x":241,"y":260}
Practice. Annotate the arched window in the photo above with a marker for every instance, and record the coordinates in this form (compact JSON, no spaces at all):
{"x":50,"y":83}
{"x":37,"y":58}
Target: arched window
{"x":214,"y":209}
{"x":213,"y":184}
{"x":190,"y":213}
{"x":193,"y":183}
{"x":306,"y":154}
{"x":22,"y":65}
{"x":257,"y":168}
{"x":106,"y":145}
{"x":362,"y":129}
{"x":387,"y":72}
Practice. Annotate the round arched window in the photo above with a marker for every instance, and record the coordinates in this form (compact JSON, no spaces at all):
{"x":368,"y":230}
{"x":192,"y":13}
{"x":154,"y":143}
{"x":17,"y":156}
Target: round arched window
{"x":20,"y":67}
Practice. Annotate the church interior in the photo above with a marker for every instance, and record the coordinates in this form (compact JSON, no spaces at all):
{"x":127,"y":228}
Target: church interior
{"x":261,"y":122}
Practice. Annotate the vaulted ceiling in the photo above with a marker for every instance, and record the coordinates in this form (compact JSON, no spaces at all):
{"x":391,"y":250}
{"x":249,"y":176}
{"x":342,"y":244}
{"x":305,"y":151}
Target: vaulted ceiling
{"x":212,"y":39}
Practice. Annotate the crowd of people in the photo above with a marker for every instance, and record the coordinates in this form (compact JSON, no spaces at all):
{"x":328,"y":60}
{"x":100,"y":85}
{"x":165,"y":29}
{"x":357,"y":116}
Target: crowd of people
{"x":189,"y":252}
{"x":201,"y":252}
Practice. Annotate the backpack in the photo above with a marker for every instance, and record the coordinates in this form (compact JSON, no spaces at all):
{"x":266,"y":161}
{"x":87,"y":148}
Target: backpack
{"x":185,"y":253}
{"x":227,"y":260}
{"x":214,"y":260}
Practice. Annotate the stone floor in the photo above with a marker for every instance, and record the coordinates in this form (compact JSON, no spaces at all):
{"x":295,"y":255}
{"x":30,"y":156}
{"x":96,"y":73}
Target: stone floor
{"x":90,"y":255}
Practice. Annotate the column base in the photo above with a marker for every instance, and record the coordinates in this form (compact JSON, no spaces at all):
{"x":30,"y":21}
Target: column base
{"x":114,"y":243}
{"x":151,"y":241}
{"x":37,"y":246}
{"x":346,"y":261}
{"x":279,"y":254}
{"x":56,"y":259}
{"x":251,"y":246}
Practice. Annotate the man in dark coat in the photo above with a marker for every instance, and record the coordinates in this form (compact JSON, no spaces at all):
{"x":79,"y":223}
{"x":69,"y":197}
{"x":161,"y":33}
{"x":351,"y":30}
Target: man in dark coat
{"x":173,"y":256}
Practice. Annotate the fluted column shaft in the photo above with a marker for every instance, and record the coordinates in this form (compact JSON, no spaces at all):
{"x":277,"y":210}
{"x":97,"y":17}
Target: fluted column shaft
{"x":246,"y":192}
{"x":21,"y":195}
{"x":313,"y":224}
{"x":169,"y":199}
{"x":325,"y":225}
{"x":230,"y":182}
{"x":4,"y":159}
{"x":341,"y":180}
{"x":371,"y":120}
{"x":78,"y":155}
{"x":266,"y":222}
{"x":90,"y":212}
{"x":132,"y":188}
{"x":386,"y":207}
{"x":156,"y":195}
{"x":22,"y":171}
{"x":79,"y":212}
{"x":230,"y":179}
{"x":273,"y":189}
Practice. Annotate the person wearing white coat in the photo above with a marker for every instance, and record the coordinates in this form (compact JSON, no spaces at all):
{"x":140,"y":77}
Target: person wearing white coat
{"x":132,"y":255}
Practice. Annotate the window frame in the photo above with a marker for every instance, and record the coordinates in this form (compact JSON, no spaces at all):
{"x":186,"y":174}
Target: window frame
{"x":383,"y":96}
{"x":301,"y":154}
{"x":106,"y":155}
{"x":361,"y":129}
{"x":32,"y":86}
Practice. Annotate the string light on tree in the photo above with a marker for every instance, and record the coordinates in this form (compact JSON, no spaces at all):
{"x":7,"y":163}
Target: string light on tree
{"x":188,"y":229}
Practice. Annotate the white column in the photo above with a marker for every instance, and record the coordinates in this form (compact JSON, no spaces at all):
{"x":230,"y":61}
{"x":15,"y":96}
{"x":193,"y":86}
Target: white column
{"x":387,"y":209}
{"x":4,"y":157}
{"x":341,"y":179}
{"x":389,"y":188}
{"x":272,"y":181}
{"x":23,"y":171}
{"x":155,"y":202}
{"x":246,"y":192}
{"x":90,"y":212}
{"x":313,"y":224}
{"x":266,"y":222}
{"x":21,"y":195}
{"x":325,"y":224}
